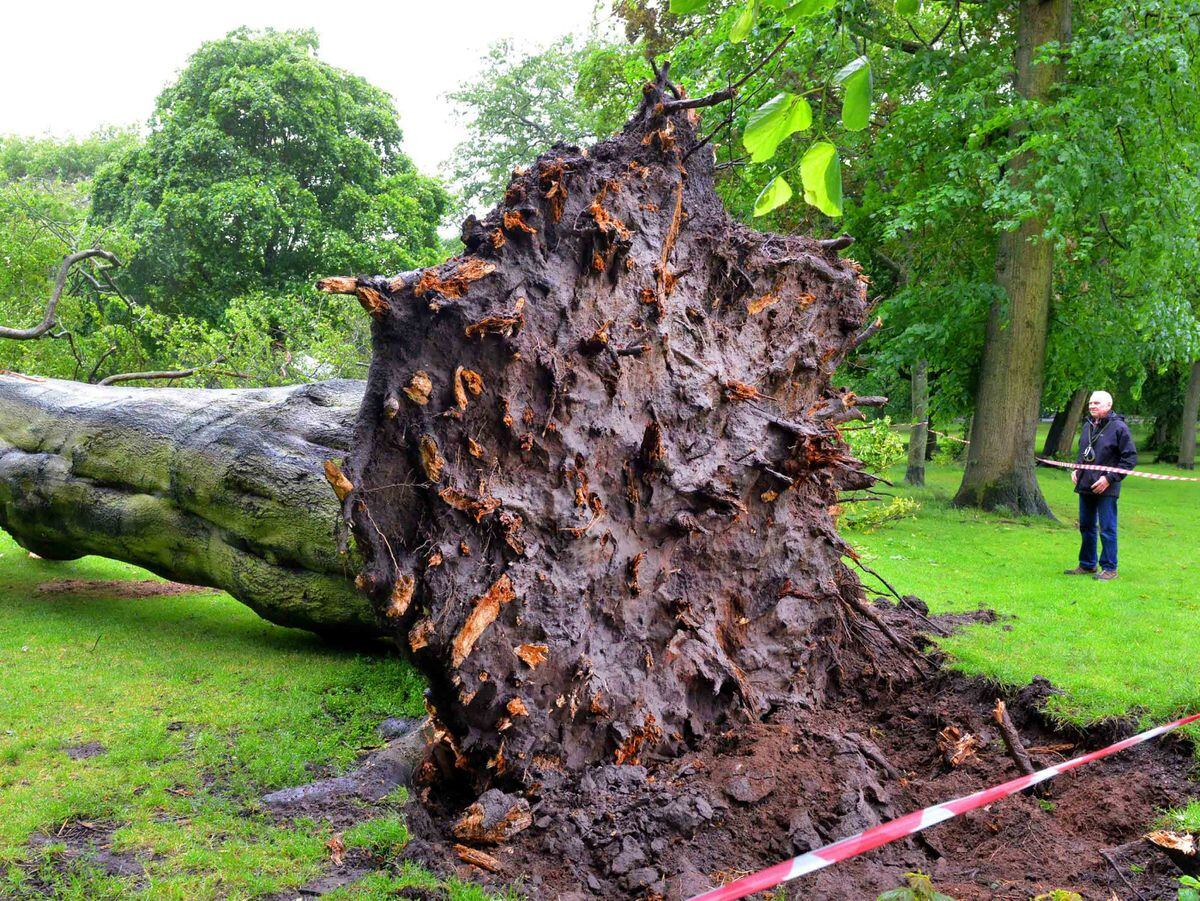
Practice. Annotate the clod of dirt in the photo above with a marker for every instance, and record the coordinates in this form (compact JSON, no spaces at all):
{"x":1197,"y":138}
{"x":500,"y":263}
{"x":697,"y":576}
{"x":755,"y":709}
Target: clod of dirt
{"x":88,"y":844}
{"x":86,"y":750}
{"x":494,"y":818}
{"x":119,"y":588}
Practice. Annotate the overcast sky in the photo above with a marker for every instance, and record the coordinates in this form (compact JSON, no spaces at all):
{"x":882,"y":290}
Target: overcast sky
{"x":68,"y":67}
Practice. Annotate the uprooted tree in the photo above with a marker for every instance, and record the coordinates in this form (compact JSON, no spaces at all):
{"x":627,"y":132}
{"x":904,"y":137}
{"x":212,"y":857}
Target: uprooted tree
{"x":590,"y":481}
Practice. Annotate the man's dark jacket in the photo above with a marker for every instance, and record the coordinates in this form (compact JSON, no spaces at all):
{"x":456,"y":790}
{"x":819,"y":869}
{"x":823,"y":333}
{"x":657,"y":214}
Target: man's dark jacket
{"x":1110,"y":439}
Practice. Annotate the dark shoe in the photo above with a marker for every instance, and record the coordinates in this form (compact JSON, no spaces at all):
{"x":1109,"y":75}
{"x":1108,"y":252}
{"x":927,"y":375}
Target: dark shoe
{"x":1106,"y":576}
{"x":1079,"y":571}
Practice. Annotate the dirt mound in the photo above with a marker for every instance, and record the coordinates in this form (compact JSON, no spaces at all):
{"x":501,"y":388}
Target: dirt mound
{"x":119,"y":588}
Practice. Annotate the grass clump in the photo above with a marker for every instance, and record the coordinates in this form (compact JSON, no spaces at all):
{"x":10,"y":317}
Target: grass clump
{"x":381,"y":837}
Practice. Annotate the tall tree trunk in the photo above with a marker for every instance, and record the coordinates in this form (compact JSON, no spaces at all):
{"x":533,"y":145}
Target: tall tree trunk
{"x":915,"y":474}
{"x":1000,"y":462}
{"x":219,"y":488}
{"x":1054,"y":434}
{"x":1070,"y":431}
{"x":1187,"y":424}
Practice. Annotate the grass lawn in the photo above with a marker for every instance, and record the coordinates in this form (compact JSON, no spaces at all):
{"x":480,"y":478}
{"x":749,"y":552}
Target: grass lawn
{"x":1131,"y":645}
{"x":199,"y":707}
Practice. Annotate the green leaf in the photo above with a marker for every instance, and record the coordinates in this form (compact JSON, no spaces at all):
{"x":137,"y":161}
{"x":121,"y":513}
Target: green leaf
{"x":685,"y":7}
{"x":745,"y":21}
{"x":770,"y":124}
{"x":908,"y":7}
{"x":821,"y":175}
{"x":855,"y":79}
{"x":774,"y":195}
{"x":806,"y":8}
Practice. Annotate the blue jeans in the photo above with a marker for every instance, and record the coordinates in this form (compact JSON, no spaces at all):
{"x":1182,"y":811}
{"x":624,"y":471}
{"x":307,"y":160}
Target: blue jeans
{"x":1093,"y":507}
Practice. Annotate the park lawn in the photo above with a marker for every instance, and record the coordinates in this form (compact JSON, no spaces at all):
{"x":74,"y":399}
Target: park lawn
{"x":1125,"y":647}
{"x":201,"y":707}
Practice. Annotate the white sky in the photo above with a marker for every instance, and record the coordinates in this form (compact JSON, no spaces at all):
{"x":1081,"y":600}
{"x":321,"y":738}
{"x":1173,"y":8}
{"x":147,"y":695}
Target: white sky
{"x":68,"y":67}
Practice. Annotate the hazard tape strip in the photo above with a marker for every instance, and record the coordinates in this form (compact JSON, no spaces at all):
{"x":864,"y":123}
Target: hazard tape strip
{"x":911,"y":823}
{"x":1123,"y":472}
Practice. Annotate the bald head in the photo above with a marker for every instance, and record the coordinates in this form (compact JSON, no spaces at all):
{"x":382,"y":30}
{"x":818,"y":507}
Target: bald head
{"x":1100,"y":403}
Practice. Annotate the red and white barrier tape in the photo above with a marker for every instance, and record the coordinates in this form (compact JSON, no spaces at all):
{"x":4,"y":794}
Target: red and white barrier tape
{"x":1123,"y":472}
{"x":914,"y":822}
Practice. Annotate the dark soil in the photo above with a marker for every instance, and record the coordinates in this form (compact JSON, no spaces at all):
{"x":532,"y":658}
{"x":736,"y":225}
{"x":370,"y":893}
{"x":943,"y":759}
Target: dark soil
{"x":82,"y":844}
{"x":118,"y":588}
{"x":757,"y":794}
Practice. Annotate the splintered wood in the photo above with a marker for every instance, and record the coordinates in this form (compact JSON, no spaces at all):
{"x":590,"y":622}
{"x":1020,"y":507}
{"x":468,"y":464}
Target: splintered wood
{"x":483,"y":614}
{"x":532,"y":655}
{"x":458,"y":282}
{"x":341,"y":485}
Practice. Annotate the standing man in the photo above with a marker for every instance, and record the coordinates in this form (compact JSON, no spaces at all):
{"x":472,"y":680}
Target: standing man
{"x":1105,"y":441}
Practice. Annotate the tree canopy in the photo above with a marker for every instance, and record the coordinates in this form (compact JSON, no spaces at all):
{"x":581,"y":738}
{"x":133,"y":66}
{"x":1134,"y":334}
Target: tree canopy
{"x":263,"y":167}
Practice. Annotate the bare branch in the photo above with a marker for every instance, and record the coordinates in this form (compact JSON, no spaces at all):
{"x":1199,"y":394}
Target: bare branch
{"x":48,"y":320}
{"x":674,"y":106}
{"x":104,"y":356}
{"x":145,"y":376}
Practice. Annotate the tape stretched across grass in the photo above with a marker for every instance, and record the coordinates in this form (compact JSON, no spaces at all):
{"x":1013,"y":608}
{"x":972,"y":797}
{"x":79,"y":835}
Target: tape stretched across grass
{"x":1123,"y":472}
{"x":915,"y":822}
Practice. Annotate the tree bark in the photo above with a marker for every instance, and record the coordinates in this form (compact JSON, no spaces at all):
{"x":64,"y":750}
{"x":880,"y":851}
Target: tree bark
{"x":218,"y":488}
{"x":1000,"y":462}
{"x":1066,"y":440}
{"x":915,"y":473}
{"x":1187,"y":424}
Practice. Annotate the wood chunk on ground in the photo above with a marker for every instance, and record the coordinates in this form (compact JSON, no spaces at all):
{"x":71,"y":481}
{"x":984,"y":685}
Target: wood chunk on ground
{"x":494,"y":818}
{"x":478,"y":858}
{"x":956,"y":746}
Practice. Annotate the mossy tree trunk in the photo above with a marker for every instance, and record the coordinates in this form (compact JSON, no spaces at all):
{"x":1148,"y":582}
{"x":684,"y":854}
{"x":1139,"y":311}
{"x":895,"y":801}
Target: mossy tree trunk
{"x":218,"y":488}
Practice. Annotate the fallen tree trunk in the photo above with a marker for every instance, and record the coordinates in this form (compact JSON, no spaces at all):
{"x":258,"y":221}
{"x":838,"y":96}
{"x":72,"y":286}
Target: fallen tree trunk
{"x":218,"y":488}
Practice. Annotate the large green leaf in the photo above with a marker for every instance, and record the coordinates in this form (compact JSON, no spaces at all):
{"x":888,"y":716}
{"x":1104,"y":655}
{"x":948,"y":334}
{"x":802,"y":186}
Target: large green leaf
{"x":774,"y":195}
{"x":770,"y":124}
{"x":806,"y":8}
{"x":683,"y":7}
{"x":744,"y":22}
{"x":855,"y":79}
{"x":821,"y":175}
{"x":908,"y":7}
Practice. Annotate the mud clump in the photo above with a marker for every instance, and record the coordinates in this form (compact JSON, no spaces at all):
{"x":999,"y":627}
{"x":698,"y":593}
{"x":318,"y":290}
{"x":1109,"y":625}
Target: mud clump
{"x":126,"y":589}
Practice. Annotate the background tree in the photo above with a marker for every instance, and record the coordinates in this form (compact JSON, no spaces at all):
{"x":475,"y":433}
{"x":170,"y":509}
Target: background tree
{"x":520,"y":104}
{"x":263,"y":167}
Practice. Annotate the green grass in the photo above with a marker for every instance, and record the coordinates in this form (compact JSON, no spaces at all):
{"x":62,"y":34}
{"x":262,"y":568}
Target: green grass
{"x":381,"y":837}
{"x":202,"y":707}
{"x":1126,"y":646}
